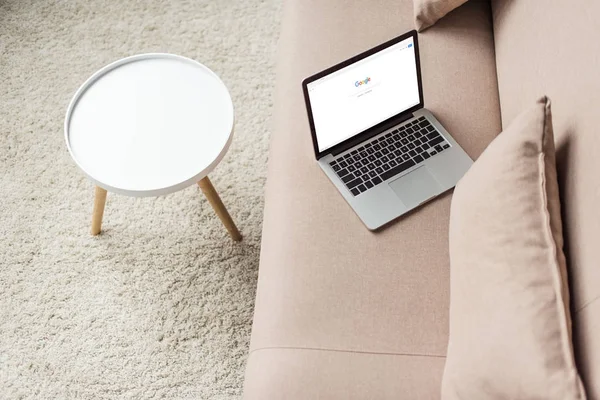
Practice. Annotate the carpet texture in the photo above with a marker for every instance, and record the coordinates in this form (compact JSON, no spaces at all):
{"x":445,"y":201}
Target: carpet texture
{"x":160,"y":305}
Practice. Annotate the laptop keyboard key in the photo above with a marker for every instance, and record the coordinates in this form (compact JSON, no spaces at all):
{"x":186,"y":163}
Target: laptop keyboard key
{"x":412,"y":153}
{"x":411,"y":146}
{"x":379,"y":170}
{"x":436,"y":141}
{"x":342,"y":172}
{"x":370,"y":150}
{"x":426,"y":146}
{"x":438,"y":148}
{"x":397,"y":169}
{"x":384,"y":159}
{"x":348,"y":178}
{"x":397,"y":153}
{"x":376,"y":180}
{"x":361,"y":188}
{"x":404,"y":149}
{"x":446,"y":146}
{"x":371,"y":158}
{"x":377,"y":147}
{"x":405,"y":157}
{"x":343,"y":164}
{"x":432,"y":135}
{"x":369,"y":184}
{"x":404,"y":141}
{"x":372,"y":174}
{"x":353,"y":183}
{"x":385,"y":151}
{"x":393,"y":163}
{"x":418,"y":159}
{"x":351,"y":168}
{"x":355,"y":192}
{"x":378,"y":163}
{"x":426,"y":155}
{"x":336,"y":168}
{"x":364,"y":170}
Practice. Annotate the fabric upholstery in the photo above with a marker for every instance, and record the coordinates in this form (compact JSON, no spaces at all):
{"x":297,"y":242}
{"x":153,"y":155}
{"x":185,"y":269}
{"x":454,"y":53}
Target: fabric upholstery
{"x":553,"y":48}
{"x":317,"y":374}
{"x":510,"y":332}
{"x":428,"y":12}
{"x":325,"y":282}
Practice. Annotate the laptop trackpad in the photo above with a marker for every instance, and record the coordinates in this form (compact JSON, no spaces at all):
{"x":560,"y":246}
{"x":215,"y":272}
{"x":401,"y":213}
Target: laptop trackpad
{"x":415,"y":187}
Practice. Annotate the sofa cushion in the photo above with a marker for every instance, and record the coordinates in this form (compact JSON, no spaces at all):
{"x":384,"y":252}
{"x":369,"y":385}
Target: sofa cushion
{"x":326,"y":283}
{"x":320,"y":374}
{"x":428,"y":12}
{"x":510,"y":332}
{"x":553,"y":48}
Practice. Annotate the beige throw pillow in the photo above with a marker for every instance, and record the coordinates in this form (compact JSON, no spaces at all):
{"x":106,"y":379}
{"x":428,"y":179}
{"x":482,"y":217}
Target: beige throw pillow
{"x":427,"y":12}
{"x":510,"y":329}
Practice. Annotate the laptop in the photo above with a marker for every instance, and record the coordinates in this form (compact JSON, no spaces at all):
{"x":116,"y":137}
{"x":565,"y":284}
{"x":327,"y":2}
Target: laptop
{"x":372,"y":136}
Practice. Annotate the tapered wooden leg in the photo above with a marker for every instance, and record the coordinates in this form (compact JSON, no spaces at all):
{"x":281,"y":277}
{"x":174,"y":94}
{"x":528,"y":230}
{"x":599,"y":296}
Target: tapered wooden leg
{"x":99,"y":203}
{"x":216,"y":203}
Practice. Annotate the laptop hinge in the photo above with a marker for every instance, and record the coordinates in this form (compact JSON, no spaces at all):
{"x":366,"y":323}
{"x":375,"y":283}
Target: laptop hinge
{"x":369,"y":134}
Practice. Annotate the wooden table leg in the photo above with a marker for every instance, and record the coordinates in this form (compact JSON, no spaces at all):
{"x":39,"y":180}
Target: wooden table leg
{"x":216,"y":203}
{"x":99,"y":203}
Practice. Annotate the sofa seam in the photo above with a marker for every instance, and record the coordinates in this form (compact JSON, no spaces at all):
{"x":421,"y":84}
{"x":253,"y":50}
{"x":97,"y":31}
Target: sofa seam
{"x":586,"y":305}
{"x":344,"y":351}
{"x":562,"y":307}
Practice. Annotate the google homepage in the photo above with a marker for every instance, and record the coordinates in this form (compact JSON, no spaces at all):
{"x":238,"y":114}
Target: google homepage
{"x":360,"y":96}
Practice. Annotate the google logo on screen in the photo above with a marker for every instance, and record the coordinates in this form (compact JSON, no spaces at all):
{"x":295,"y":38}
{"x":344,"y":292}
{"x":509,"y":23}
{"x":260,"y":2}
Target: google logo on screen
{"x":360,"y":83}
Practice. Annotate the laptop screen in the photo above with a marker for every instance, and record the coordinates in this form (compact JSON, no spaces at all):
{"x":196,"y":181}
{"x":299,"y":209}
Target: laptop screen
{"x":363,"y":94}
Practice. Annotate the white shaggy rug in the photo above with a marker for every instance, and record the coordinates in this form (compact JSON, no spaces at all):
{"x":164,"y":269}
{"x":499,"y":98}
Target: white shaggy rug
{"x":160,"y":305}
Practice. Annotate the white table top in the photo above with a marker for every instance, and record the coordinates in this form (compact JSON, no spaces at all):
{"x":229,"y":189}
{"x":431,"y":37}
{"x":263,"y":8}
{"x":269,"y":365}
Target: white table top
{"x":149,"y":124}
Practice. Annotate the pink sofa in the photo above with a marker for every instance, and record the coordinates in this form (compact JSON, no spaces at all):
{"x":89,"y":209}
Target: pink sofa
{"x":344,"y":313}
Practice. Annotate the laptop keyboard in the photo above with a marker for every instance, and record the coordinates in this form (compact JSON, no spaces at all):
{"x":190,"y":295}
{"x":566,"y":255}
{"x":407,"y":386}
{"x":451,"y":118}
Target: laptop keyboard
{"x":382,"y":158}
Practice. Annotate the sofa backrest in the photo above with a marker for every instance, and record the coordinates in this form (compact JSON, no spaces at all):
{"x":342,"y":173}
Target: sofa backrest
{"x":552,"y":47}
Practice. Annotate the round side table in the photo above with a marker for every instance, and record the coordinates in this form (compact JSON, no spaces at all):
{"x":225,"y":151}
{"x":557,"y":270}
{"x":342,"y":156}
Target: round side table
{"x":149,"y":125}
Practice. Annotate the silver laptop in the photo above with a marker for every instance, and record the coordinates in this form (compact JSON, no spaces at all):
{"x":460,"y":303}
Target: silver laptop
{"x":373,"y":138}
